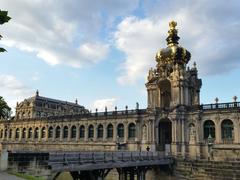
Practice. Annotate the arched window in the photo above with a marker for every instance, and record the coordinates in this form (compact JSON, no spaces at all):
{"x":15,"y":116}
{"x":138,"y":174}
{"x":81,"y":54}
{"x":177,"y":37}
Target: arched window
{"x":17,"y":134}
{"x":227,"y":129}
{"x":110,"y":131}
{"x":5,"y":133}
{"x":1,"y":133}
{"x":165,"y":89}
{"x":65,"y":132}
{"x":30,"y":133}
{"x":209,"y":129}
{"x":90,"y":131}
{"x":50,"y":132}
{"x":82,"y":131}
{"x":73,"y":132}
{"x":57,"y":132}
{"x":131,"y":130}
{"x":100,"y":131}
{"x":43,"y":132}
{"x":36,"y":133}
{"x":120,"y":130}
{"x":24,"y":133}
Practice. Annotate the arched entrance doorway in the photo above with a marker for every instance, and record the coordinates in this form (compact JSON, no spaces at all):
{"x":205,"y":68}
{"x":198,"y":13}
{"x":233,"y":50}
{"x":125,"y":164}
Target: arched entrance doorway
{"x":164,"y":134}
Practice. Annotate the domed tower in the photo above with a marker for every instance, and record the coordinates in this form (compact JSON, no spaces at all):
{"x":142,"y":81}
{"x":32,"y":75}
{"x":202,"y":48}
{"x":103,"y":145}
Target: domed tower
{"x":171,"y":83}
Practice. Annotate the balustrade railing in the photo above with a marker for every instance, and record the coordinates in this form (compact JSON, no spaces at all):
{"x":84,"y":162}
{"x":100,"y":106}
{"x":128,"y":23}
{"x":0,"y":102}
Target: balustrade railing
{"x":94,"y":114}
{"x":230,"y":105}
{"x":103,"y":157}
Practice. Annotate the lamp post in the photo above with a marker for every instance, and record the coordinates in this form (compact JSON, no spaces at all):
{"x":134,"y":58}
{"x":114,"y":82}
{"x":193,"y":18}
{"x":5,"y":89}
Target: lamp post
{"x":210,"y":144}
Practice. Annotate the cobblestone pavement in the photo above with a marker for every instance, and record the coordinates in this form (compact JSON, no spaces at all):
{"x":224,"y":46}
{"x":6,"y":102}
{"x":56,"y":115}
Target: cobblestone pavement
{"x":6,"y":176}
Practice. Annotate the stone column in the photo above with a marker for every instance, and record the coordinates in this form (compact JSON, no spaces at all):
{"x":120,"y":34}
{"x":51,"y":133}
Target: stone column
{"x":218,"y":133}
{"x":238,"y":129}
{"x":39,"y":134}
{"x":125,"y":131}
{"x":156,"y":132}
{"x":173,"y":131}
{"x":114,"y":132}
{"x":104,"y":132}
{"x":20,"y":134}
{"x":236,"y":132}
{"x":187,"y":96}
{"x":183,"y":137}
{"x":77,"y":132}
{"x":138,"y":132}
{"x":54,"y":133}
{"x":179,"y":135}
{"x":86,"y":133}
{"x":175,"y":122}
{"x":150,"y":98}
{"x":46,"y":133}
{"x":61,"y":133}
{"x":95,"y":126}
{"x":182,"y":93}
{"x":198,"y":139}
{"x":149,"y":131}
{"x":69,"y":133}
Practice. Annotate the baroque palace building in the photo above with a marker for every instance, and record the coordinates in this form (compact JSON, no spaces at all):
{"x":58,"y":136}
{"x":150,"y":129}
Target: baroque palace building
{"x":174,"y":120}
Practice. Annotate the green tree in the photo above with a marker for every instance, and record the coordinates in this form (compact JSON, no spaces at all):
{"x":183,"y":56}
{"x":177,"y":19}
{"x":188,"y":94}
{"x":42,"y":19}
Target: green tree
{"x":5,"y":110}
{"x":3,"y":19}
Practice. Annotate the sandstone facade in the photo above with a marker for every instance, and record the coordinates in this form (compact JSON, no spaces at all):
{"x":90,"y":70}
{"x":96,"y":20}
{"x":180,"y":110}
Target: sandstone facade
{"x":174,"y":121}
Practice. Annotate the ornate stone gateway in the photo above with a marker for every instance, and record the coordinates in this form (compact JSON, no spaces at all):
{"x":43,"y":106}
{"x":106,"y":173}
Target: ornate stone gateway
{"x":164,"y":134}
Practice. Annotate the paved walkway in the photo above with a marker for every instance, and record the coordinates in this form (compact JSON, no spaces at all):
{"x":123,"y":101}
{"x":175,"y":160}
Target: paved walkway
{"x":6,"y":176}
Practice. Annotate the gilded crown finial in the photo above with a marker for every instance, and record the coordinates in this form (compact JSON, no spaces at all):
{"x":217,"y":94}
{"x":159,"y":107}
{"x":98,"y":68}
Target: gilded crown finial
{"x":172,"y":24}
{"x":172,"y":38}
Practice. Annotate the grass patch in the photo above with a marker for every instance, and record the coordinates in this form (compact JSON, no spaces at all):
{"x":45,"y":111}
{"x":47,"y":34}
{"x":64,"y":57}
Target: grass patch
{"x":26,"y":176}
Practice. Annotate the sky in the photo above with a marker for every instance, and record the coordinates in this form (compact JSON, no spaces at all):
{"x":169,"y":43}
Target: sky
{"x":99,"y":52}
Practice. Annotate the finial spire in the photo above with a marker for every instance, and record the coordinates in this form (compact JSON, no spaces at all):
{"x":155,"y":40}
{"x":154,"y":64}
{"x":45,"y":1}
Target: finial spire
{"x":172,"y":25}
{"x":37,"y":93}
{"x":172,"y":38}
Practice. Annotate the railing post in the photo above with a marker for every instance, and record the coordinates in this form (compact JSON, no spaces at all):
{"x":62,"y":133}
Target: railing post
{"x":122,"y":156}
{"x":93,"y":157}
{"x":131,"y":156}
{"x":64,"y":159}
{"x":79,"y":158}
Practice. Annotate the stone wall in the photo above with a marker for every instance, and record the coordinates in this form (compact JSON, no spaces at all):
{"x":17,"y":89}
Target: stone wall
{"x":203,"y":169}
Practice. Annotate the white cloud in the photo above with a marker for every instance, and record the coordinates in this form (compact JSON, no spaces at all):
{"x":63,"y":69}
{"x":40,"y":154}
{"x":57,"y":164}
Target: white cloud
{"x":35,"y":76}
{"x":100,"y":104}
{"x":139,"y":40}
{"x":65,"y":32}
{"x":94,"y":51}
{"x":13,"y":90}
{"x":209,"y":32}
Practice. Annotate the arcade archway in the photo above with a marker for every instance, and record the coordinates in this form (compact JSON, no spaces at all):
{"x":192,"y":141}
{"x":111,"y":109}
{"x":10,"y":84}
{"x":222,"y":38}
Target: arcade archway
{"x":164,"y":134}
